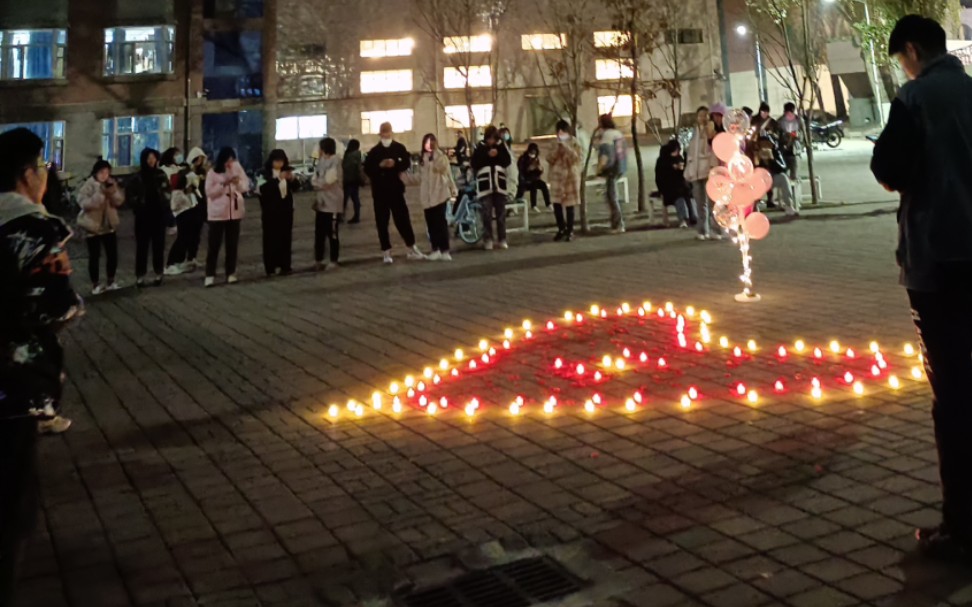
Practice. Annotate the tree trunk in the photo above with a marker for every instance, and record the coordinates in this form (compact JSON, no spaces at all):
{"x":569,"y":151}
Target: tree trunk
{"x":814,"y":195}
{"x":639,"y":163}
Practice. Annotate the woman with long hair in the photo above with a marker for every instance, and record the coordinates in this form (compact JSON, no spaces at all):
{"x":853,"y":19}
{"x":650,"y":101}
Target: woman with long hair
{"x":328,"y":204}
{"x":99,"y":199}
{"x":147,"y":193}
{"x":353,"y":170}
{"x":435,"y":191}
{"x":277,"y":212}
{"x":225,"y":185}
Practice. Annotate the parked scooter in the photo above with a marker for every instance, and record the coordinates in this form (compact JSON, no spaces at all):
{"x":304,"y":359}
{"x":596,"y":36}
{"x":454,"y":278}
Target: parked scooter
{"x":831,"y":133}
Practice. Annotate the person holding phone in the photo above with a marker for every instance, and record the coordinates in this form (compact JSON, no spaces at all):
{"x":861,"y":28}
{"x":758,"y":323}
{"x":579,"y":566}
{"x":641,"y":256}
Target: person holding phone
{"x":99,"y":199}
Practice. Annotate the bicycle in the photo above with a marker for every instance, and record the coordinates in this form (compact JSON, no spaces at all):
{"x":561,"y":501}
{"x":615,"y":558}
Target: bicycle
{"x":466,"y":214}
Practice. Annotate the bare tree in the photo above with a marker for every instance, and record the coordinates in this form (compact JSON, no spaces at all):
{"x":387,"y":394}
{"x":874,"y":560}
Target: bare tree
{"x":311,"y":62}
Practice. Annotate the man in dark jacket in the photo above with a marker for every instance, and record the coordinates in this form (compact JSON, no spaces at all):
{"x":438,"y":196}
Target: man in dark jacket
{"x":37,"y":300}
{"x":147,"y":193}
{"x":385,"y":166}
{"x":489,"y":162}
{"x":925,"y":154}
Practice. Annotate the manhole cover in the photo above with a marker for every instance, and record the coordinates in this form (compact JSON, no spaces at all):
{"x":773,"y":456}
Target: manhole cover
{"x":517,"y":584}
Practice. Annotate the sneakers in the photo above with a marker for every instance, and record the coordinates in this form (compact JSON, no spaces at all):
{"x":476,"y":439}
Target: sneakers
{"x":503,"y":245}
{"x":446,"y":256}
{"x":716,"y":236}
{"x":618,"y":230}
{"x":190,"y":265}
{"x":319,"y":266}
{"x":157,"y":281}
{"x":210,"y":281}
{"x":232,"y":279}
{"x":174,"y":270}
{"x":386,"y":257}
{"x":414,"y":253}
{"x":701,"y":236}
{"x":332,"y":266}
{"x":140,"y":283}
{"x":113,"y":286}
{"x":434,"y":256}
{"x":940,"y":543}
{"x":559,"y":236}
{"x":97,"y":289}
{"x":682,"y":225}
{"x":568,"y":236}
{"x":488,"y":245}
{"x":55,"y":425}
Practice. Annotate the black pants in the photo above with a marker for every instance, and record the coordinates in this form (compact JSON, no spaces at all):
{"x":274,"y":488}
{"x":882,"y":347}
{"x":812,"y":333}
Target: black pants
{"x":110,"y":243}
{"x":149,"y":231}
{"x":186,"y":231}
{"x":352,"y":193}
{"x":435,"y":220}
{"x":392,"y":205}
{"x":217,"y":229}
{"x":945,"y":334}
{"x":532,"y":187}
{"x":564,"y":227}
{"x":18,"y":497}
{"x":326,"y":229}
{"x":278,"y":233}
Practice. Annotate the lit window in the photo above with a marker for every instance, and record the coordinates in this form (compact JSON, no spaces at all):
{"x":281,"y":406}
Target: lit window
{"x":301,"y":127}
{"x":685,"y":36}
{"x":51,"y":133}
{"x":543,"y":42}
{"x":124,"y":138}
{"x":402,"y":47}
{"x":479,"y":76}
{"x":387,"y":81}
{"x":616,"y":106}
{"x":468,"y":44}
{"x":139,"y":50}
{"x":609,"y":39}
{"x":457,"y":116}
{"x":32,"y":54}
{"x":401,"y":121}
{"x":612,"y":69}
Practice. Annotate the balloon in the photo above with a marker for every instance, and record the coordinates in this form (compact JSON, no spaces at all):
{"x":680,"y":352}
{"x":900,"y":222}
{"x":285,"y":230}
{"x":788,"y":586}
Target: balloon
{"x":757,"y":226}
{"x":725,"y":146}
{"x":763,"y":179}
{"x":740,"y":168}
{"x":723,"y":215}
{"x":718,"y":187}
{"x":744,"y":196}
{"x":736,"y":122}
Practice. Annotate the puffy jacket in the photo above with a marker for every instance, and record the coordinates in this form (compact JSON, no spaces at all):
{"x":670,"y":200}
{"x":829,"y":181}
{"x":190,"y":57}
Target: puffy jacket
{"x":437,"y":184}
{"x":490,"y":171}
{"x":148,"y":190}
{"x":100,"y":205}
{"x":329,"y":184}
{"x":699,"y":157}
{"x":225,"y":199}
{"x":387,"y":181}
{"x":670,"y":178}
{"x":353,"y":168}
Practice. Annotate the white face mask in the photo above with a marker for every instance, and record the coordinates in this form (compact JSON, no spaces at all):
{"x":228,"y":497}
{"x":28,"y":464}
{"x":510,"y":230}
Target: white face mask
{"x":386,"y":142}
{"x":563,"y":136}
{"x":179,"y":159}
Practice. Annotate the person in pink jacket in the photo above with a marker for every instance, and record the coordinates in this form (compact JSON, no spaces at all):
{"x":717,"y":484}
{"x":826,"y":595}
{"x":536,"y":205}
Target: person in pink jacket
{"x":225,"y":185}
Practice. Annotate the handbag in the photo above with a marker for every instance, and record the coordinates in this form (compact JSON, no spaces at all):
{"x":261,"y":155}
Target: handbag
{"x":87,"y":223}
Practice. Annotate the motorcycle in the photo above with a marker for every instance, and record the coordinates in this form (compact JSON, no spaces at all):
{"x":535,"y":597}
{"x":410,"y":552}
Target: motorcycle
{"x":831,"y":133}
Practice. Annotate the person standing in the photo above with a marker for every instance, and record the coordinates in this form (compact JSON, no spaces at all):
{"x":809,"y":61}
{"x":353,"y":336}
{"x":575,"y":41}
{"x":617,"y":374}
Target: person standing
{"x":924,"y":154}
{"x":670,"y":180}
{"x":353,"y":172}
{"x":277,"y":213}
{"x":385,"y":166}
{"x":328,"y":182}
{"x":225,"y":185}
{"x":99,"y":199}
{"x":565,"y":180}
{"x":489,"y":162}
{"x":195,"y":217}
{"x":790,"y":131}
{"x":147,"y":192}
{"x":531,"y":177}
{"x":182,"y":201}
{"x":435,"y":191}
{"x":699,"y":160}
{"x":612,"y":164}
{"x":37,"y":302}
{"x":461,"y":149}
{"x":768,"y":156}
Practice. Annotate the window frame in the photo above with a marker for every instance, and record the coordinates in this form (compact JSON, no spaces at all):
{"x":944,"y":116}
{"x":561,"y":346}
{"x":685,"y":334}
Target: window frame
{"x":119,"y":54}
{"x":474,"y":72}
{"x":299,"y":119}
{"x":54,"y":144}
{"x":110,"y":152}
{"x":604,"y":69}
{"x":547,"y":42}
{"x":452,"y":122}
{"x":405,"y":47}
{"x":380,"y":116}
{"x":57,"y":49}
{"x":604,"y":108}
{"x":467,"y":44}
{"x":374,"y":74}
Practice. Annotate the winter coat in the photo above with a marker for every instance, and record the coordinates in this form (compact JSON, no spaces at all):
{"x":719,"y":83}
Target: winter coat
{"x":612,"y":154}
{"x":100,"y":205}
{"x":490,"y":171}
{"x":924,"y":153}
{"x":328,"y":183}
{"x":670,"y":179}
{"x":185,"y":188}
{"x":148,"y":190}
{"x":37,"y":302}
{"x":767,"y":154}
{"x":225,"y":199}
{"x":353,"y":168}
{"x":700,"y":159}
{"x":565,"y":172}
{"x":437,"y":183}
{"x":531,"y":169}
{"x":275,"y":194}
{"x":387,"y":181}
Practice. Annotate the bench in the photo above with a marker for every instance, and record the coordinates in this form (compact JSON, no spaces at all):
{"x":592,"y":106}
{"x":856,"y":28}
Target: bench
{"x":601,"y":184}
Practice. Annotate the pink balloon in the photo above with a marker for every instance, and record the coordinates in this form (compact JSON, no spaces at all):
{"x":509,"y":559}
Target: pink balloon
{"x":740,"y":168}
{"x":757,"y":226}
{"x":764,"y":176}
{"x":743,"y":196}
{"x":725,"y":146}
{"x":718,"y":187}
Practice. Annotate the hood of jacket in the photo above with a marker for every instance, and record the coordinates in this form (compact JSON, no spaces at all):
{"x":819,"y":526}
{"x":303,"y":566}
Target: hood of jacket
{"x":193,"y":154}
{"x":143,"y":159}
{"x":14,"y":206}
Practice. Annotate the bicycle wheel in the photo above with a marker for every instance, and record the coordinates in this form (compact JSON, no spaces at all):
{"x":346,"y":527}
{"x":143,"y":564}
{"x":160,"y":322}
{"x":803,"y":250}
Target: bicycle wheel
{"x":470,"y":227}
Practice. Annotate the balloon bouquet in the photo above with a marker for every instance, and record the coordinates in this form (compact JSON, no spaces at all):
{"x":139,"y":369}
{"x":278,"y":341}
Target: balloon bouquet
{"x":734,"y":189}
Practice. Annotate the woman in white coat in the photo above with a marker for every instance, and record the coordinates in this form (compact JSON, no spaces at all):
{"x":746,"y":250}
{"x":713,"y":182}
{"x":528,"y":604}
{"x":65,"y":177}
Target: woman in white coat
{"x":436,"y":189}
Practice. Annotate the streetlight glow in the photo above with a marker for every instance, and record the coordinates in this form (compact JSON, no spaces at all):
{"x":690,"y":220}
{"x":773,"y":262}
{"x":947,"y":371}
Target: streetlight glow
{"x":742,"y":30}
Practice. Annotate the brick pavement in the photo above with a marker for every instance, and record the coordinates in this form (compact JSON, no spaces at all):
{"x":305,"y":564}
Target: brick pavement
{"x":203,"y":470}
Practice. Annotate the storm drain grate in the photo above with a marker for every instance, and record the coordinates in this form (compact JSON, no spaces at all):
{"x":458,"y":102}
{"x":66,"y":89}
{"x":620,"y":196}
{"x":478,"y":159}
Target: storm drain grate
{"x":517,"y":584}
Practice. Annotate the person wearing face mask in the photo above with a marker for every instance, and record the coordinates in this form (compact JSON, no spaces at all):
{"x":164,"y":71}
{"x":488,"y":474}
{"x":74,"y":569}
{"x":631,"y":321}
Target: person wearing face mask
{"x":194,"y":218}
{"x":385,"y":166}
{"x":489,"y":163}
{"x":565,"y":180}
{"x":185,"y":185}
{"x":329,"y":204}
{"x":148,"y":195}
{"x":531,"y":172}
{"x":277,"y":213}
{"x":435,"y":191}
{"x":225,"y":185}
{"x":37,"y":303}
{"x":171,"y":162}
{"x":99,"y":199}
{"x":790,"y":128}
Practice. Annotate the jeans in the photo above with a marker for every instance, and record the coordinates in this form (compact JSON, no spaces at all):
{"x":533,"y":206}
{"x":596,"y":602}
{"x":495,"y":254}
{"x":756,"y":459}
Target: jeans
{"x":392,"y":205}
{"x":352,"y":192}
{"x":218,"y":229}
{"x":278,"y":230}
{"x":685,"y":209}
{"x":149,"y":230}
{"x":704,"y":207}
{"x":532,"y":187}
{"x":326,"y":232}
{"x":494,"y":204}
{"x":110,"y":242}
{"x":790,"y":204}
{"x":945,"y":336}
{"x":564,"y":225}
{"x":435,"y":220}
{"x":18,"y":499}
{"x":611,"y":196}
